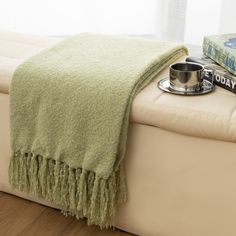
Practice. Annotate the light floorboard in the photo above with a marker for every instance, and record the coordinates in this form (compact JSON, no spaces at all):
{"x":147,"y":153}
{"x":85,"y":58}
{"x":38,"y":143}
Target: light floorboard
{"x":25,"y":218}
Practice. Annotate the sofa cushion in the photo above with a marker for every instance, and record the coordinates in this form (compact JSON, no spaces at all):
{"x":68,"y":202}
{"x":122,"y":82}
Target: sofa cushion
{"x":210,"y":116}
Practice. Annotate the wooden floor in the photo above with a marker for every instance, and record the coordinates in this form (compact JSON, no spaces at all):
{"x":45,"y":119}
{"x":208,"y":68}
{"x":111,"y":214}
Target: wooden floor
{"x":24,"y":218}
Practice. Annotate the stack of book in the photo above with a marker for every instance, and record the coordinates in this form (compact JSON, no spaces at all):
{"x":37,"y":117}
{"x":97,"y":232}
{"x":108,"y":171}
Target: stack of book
{"x":219,"y":55}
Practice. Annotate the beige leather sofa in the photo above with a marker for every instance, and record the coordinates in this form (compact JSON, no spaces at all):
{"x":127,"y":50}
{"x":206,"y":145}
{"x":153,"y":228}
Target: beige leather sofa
{"x":181,"y":155}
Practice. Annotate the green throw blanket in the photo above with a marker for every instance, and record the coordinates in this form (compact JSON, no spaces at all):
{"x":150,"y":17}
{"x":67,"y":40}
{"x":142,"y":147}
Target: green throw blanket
{"x":69,"y":109}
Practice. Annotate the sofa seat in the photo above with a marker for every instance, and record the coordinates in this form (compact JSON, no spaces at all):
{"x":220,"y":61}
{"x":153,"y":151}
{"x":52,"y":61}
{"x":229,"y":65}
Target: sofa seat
{"x":209,"y":116}
{"x":180,"y":162}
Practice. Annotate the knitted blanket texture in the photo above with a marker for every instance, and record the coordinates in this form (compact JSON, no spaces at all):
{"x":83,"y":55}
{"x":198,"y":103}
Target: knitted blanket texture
{"x":69,"y":110}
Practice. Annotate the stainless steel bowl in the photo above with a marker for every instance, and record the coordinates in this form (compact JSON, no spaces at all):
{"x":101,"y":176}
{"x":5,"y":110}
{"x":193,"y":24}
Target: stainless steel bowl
{"x":186,"y":77}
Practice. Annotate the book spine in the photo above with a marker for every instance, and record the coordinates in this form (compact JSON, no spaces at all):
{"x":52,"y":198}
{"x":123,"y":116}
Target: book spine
{"x":221,"y":77}
{"x":224,"y":80}
{"x":219,"y":54}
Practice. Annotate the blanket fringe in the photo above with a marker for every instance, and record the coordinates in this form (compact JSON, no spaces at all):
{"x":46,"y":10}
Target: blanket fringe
{"x":77,"y":192}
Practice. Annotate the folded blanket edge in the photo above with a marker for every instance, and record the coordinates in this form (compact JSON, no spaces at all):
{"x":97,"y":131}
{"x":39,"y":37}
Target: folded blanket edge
{"x":77,"y":192}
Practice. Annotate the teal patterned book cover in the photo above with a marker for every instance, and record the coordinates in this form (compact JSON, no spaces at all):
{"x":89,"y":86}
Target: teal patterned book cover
{"x":221,"y":49}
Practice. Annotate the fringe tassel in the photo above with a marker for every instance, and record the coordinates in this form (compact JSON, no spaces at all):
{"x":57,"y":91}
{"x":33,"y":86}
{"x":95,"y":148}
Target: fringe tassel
{"x":77,"y":192}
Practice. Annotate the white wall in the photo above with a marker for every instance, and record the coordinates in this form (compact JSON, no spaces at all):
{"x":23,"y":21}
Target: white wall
{"x":175,"y":20}
{"x":202,"y":18}
{"x":228,"y":17}
{"x":62,"y":17}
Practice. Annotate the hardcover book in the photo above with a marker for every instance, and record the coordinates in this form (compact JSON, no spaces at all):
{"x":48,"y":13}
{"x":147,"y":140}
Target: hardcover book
{"x":221,"y":76}
{"x":221,"y":49}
